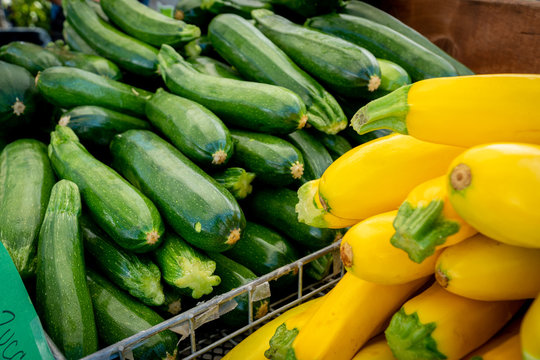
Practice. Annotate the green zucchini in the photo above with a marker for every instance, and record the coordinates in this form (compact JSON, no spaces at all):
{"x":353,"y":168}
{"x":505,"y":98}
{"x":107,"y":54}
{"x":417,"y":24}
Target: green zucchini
{"x":69,"y":87}
{"x":185,"y":268}
{"x":26,"y":180}
{"x":316,"y":157}
{"x":319,"y":268}
{"x":262,"y":251}
{"x":344,"y":67}
{"x":172,"y":305}
{"x":75,"y":41}
{"x":260,"y":107}
{"x":194,"y":205}
{"x":18,"y":96}
{"x":120,"y":209}
{"x":210,"y":66}
{"x":308,"y":8}
{"x":258,"y":59}
{"x":393,"y":77}
{"x":336,"y":145}
{"x":238,"y":7}
{"x":148,"y":25}
{"x":234,"y":275}
{"x":276,"y":208}
{"x":133,"y":273}
{"x":109,"y":42}
{"x":275,"y":161}
{"x":367,"y":11}
{"x":193,"y":129}
{"x":96,"y":126}
{"x":119,"y":316}
{"x":200,"y":47}
{"x":95,"y":5}
{"x":357,"y":139}
{"x":30,"y":56}
{"x":386,"y":43}
{"x":63,"y":299}
{"x":190,"y":11}
{"x":3,"y":142}
{"x":236,"y":180}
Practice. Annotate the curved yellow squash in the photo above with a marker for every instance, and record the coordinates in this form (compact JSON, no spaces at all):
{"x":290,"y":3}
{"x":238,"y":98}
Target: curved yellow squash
{"x":367,"y":253}
{"x":376,"y":349}
{"x":377,"y":176}
{"x":461,"y":111}
{"x":530,"y":332}
{"x":440,"y":325}
{"x":496,"y":189}
{"x":484,"y":269}
{"x":426,"y":221}
{"x":505,"y":346}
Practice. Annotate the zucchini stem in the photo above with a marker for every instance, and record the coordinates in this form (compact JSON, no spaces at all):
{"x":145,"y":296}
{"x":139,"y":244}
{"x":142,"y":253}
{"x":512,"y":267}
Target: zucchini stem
{"x":297,"y":170}
{"x":152,"y":237}
{"x":18,"y":107}
{"x":234,"y":236}
{"x":219,"y":157}
{"x":374,"y":83}
{"x":64,"y":120}
{"x":461,"y":177}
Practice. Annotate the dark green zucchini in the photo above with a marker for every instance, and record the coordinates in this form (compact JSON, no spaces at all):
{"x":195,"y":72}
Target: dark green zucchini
{"x":275,"y":161}
{"x":200,"y":47}
{"x":148,"y":25}
{"x":344,"y":67}
{"x":63,"y":300}
{"x":26,"y":179}
{"x":18,"y":96}
{"x":192,"y":128}
{"x":172,"y":305}
{"x":69,"y":87}
{"x":367,"y":11}
{"x":3,"y":142}
{"x":258,"y":59}
{"x":393,"y":77}
{"x":210,"y":66}
{"x":234,"y":275}
{"x":357,"y":139}
{"x":386,"y":43}
{"x":119,"y":316}
{"x":336,"y":145}
{"x":276,"y":208}
{"x":30,"y":56}
{"x":185,"y":268}
{"x":133,"y":273}
{"x":260,"y":107}
{"x":194,"y":205}
{"x":190,"y":11}
{"x":316,"y":157}
{"x":308,"y":8}
{"x":109,"y":42}
{"x":96,"y":126}
{"x":319,"y":268}
{"x":238,"y":7}
{"x":120,"y":209}
{"x":262,"y":251}
{"x":75,"y":41}
{"x":236,"y":180}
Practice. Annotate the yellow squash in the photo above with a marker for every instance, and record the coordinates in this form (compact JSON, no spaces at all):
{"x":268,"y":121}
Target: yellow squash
{"x":484,"y":269}
{"x":367,"y":253}
{"x":504,"y":346}
{"x":377,"y":176}
{"x":496,"y":189}
{"x":254,"y":346}
{"x":376,"y":349}
{"x":530,"y":332}
{"x":350,"y":314}
{"x":460,"y":111}
{"x":426,"y":221}
{"x":440,"y":325}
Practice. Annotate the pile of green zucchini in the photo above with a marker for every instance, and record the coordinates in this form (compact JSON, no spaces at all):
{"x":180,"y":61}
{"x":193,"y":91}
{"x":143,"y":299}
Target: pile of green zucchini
{"x":134,"y":151}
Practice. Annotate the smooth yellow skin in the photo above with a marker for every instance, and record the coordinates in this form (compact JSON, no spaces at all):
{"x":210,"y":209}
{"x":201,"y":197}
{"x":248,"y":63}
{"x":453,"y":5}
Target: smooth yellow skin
{"x":375,"y":349}
{"x":506,"y":346}
{"x":530,"y":332}
{"x":471,"y":110}
{"x":254,"y":346}
{"x":484,"y":269}
{"x":503,"y":198}
{"x":462,"y":324}
{"x":349,"y":316}
{"x":377,"y":176}
{"x":435,"y":189}
{"x":375,"y":259}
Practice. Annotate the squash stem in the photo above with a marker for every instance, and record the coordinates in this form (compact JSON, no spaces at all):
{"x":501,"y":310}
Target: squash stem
{"x":306,"y":208}
{"x":281,"y":344}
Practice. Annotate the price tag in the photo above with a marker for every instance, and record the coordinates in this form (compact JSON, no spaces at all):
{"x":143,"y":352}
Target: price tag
{"x":21,"y":333}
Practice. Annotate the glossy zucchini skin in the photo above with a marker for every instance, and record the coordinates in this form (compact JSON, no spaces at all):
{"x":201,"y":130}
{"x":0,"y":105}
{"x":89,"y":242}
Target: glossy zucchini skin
{"x":120,"y":209}
{"x":393,"y":77}
{"x":275,"y":161}
{"x":133,"y":273}
{"x":186,"y":268}
{"x":236,"y":180}
{"x":194,"y":205}
{"x":172,"y":305}
{"x":109,"y":42}
{"x":63,"y":299}
{"x":69,"y":87}
{"x":96,"y":126}
{"x":342,"y":66}
{"x":316,"y":157}
{"x":261,"y":107}
{"x":210,"y":66}
{"x":234,"y":275}
{"x":258,"y":59}
{"x":148,"y":25}
{"x":75,"y":41}
{"x":119,"y":316}
{"x":386,"y":43}
{"x":238,"y":7}
{"x":336,"y":145}
{"x":30,"y":56}
{"x":26,"y":180}
{"x":276,"y":208}
{"x":192,"y":128}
